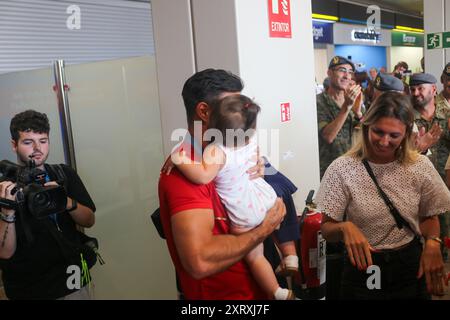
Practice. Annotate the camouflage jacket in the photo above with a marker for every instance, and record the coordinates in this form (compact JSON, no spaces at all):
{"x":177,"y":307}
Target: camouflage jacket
{"x":440,"y":151}
{"x":327,"y":111}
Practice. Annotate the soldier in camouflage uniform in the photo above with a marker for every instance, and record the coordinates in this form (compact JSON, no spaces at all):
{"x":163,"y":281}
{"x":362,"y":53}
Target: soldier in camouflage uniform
{"x":432,"y":116}
{"x":335,"y":117}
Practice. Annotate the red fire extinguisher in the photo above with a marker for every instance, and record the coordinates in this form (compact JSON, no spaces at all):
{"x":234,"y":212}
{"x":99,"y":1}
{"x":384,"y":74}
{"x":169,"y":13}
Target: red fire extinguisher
{"x":310,"y":281}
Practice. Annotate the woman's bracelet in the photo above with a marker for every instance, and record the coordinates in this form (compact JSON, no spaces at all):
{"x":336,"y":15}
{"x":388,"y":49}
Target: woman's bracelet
{"x":437,"y":239}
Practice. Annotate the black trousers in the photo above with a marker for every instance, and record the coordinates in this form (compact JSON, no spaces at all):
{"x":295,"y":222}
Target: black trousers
{"x":398,"y":276}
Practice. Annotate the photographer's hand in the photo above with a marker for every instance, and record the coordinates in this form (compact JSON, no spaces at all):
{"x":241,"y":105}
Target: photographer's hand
{"x":5,"y":193}
{"x":82,"y":215}
{"x":7,"y":227}
{"x":51,"y":183}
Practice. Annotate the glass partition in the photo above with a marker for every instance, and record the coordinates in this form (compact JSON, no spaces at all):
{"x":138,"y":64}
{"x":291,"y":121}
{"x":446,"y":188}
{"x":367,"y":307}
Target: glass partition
{"x":116,"y":127}
{"x":24,"y":90}
{"x":118,"y":146}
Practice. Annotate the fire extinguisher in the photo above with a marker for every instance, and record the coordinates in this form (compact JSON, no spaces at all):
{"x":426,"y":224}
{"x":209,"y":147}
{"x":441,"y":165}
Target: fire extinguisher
{"x":311,"y":278}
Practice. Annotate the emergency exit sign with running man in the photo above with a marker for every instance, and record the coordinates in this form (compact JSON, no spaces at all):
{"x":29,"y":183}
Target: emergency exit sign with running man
{"x":280,"y":18}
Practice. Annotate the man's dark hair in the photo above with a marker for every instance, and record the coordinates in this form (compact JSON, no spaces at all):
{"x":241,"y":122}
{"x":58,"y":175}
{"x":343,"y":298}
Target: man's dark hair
{"x":206,"y":86}
{"x":401,"y":64}
{"x":27,"y":121}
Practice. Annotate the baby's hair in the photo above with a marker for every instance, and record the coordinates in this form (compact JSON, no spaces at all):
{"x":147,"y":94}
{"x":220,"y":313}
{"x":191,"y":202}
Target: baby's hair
{"x":235,"y":117}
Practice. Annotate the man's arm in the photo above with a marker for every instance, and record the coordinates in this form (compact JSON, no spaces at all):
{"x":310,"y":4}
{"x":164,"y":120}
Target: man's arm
{"x":203,"y":254}
{"x":7,"y":239}
{"x":82,"y":215}
{"x":425,"y":140}
{"x":330,"y":131}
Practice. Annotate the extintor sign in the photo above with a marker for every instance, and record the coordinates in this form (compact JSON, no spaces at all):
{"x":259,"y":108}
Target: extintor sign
{"x":285,"y":112}
{"x":280,"y":18}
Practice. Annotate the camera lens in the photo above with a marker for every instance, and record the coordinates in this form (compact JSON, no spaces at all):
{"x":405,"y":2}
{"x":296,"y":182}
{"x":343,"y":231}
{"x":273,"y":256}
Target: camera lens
{"x":41,"y":199}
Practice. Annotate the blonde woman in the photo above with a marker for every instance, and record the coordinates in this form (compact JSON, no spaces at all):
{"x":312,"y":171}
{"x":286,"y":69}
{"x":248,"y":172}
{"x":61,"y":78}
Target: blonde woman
{"x":394,"y":226}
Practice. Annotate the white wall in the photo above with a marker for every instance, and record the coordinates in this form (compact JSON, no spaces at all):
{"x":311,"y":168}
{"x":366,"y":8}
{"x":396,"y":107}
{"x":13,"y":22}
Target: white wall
{"x":175,"y":61}
{"x":235,"y":35}
{"x":282,"y":70}
{"x":321,"y":62}
{"x":411,"y":56}
{"x":215,"y":35}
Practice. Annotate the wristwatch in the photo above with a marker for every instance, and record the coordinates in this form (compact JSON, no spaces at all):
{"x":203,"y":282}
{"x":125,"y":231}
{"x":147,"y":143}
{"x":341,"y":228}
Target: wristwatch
{"x":74,"y":205}
{"x":8,"y":219}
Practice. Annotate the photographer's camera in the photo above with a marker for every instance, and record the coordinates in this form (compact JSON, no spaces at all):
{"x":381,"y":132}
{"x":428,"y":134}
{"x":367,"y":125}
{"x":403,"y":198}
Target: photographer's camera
{"x":39,"y":200}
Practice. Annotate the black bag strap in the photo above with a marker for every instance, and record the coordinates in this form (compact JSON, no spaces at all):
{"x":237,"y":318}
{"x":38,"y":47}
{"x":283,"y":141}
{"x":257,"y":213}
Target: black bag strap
{"x":399,"y":220}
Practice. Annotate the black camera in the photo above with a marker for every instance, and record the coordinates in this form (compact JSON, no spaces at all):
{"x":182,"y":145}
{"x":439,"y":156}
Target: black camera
{"x":31,"y":194}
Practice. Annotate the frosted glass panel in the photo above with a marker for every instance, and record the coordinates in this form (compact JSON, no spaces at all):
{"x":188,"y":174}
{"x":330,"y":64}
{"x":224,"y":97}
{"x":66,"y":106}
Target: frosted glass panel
{"x":20,"y":91}
{"x":118,"y":146}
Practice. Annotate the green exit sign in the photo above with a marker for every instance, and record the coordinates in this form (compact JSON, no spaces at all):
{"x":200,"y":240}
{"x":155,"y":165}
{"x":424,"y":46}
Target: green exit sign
{"x":438,"y":40}
{"x":446,"y":39}
{"x":434,"y":41}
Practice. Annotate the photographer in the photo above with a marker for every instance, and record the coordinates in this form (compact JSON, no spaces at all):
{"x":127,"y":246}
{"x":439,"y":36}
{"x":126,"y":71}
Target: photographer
{"x":35,"y":252}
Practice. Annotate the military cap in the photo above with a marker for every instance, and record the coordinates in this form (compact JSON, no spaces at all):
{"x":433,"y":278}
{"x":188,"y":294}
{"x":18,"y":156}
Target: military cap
{"x":447,"y":69}
{"x":421,"y":78}
{"x":338,"y":60}
{"x":387,"y":82}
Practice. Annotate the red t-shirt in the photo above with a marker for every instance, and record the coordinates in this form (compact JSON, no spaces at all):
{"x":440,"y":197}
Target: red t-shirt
{"x":177,"y":193}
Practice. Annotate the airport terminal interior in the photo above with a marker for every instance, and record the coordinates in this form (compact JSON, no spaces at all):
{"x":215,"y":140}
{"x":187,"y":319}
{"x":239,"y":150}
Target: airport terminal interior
{"x":109,"y":75}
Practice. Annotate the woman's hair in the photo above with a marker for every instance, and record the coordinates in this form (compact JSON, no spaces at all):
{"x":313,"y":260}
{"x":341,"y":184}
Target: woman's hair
{"x":388,"y":105}
{"x":235,"y":117}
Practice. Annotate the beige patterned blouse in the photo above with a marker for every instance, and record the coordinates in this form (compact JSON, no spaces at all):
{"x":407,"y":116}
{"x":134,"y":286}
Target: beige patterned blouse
{"x":415,"y":190}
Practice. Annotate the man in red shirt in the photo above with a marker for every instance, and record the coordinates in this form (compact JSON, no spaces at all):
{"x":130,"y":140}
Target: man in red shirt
{"x":207,"y":258}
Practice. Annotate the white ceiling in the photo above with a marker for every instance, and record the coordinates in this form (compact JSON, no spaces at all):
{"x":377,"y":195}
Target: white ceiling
{"x":412,"y":7}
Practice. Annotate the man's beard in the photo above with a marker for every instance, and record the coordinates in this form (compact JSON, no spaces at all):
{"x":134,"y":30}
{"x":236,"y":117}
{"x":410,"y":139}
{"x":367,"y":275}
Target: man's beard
{"x":420,"y":104}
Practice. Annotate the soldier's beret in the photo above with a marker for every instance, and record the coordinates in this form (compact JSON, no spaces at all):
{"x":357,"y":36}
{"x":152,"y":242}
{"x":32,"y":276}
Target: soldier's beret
{"x":338,"y":60}
{"x":421,"y":78}
{"x":387,"y":82}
